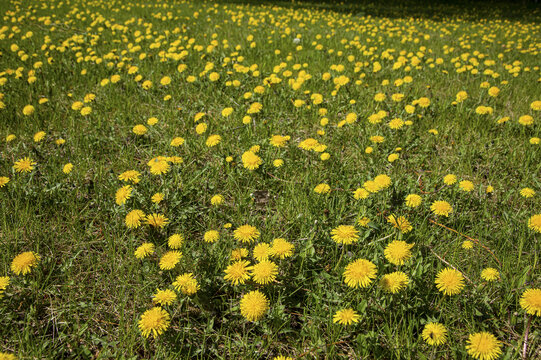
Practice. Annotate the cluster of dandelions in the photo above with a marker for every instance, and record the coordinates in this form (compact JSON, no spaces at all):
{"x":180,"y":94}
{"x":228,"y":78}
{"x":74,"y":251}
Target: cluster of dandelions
{"x":155,"y":321}
{"x":361,"y":273}
{"x":264,"y":271}
{"x":253,"y":304}
{"x":480,"y":345}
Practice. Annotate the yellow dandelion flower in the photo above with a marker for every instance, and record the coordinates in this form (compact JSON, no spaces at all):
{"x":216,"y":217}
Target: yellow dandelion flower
{"x":139,"y":129}
{"x":175,"y":241}
{"x":413,"y":200}
{"x":308,"y":144}
{"x":211,"y":236}
{"x":213,"y":140}
{"x":147,"y":84}
{"x":322,"y":189}
{"x":4,"y":283}
{"x":483,"y":346}
{"x":251,"y":161}
{"x":490,"y":274}
{"x":25,"y":164}
{"x":144,"y":250}
{"x":345,"y":234}
{"x":424,"y":102}
{"x":170,"y":259}
{"x":393,"y":157}
{"x":87,"y":110}
{"x":396,"y":123}
{"x":493,"y":91}
{"x":440,"y":207}
{"x":360,"y":194}
{"x":282,"y":248}
{"x":530,"y":301}
{"x":77,"y":105}
{"x":175,"y":159}
{"x":526,"y":120}
{"x":254,"y":108}
{"x":157,"y":198}
{"x":23,"y":263}
{"x":466,"y":185}
{"x":345,"y":317}
{"x":134,"y":218}
{"x":434,"y":334}
{"x":449,"y":281}
{"x":40,"y":135}
{"x":400,"y":222}
{"x":264,"y":272}
{"x":253,"y":305}
{"x":154,"y":321}
{"x":238,"y":272}
{"x":28,"y":110}
{"x":67,"y":168}
{"x":363,"y":221}
{"x":461,"y":96}
{"x":186,"y":284}
{"x":534,"y":223}
{"x":382,"y":182}
{"x":279,"y":140}
{"x":398,"y":252}
{"x":178,"y":141}
{"x":166,"y":80}
{"x":449,"y":179}
{"x":262,"y":251}
{"x":359,"y":273}
{"x":201,"y":128}
{"x":527,"y":192}
{"x":239,"y":253}
{"x":157,"y":220}
{"x":227,"y":111}
{"x":394,"y":282}
{"x":164,"y":297}
{"x":467,"y":245}
{"x":130,"y":175}
{"x":484,"y":110}
{"x":159,"y":167}
{"x":246,"y":233}
{"x":123,"y":194}
{"x":3,"y":181}
{"x":217,"y":200}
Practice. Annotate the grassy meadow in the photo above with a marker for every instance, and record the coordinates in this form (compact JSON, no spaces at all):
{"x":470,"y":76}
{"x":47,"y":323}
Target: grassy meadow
{"x":270,"y":180}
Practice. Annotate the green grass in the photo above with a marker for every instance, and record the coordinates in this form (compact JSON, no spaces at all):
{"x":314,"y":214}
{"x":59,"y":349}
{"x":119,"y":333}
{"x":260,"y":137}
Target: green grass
{"x":85,"y":297}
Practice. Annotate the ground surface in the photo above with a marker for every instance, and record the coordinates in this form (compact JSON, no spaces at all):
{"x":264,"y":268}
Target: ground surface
{"x":376,"y":101}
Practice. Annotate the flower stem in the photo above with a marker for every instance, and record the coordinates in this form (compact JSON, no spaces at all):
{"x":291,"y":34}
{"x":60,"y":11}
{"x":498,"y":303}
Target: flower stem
{"x":526,"y":333}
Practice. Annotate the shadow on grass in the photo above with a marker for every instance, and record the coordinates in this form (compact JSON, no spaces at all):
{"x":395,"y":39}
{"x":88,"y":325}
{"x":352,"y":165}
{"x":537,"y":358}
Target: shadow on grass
{"x":526,"y":10}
